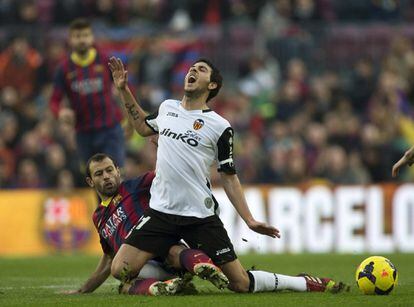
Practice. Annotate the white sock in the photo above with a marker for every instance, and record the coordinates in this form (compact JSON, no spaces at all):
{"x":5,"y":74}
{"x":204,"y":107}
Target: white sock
{"x":267,"y":282}
{"x":295,"y":283}
{"x":152,"y":269}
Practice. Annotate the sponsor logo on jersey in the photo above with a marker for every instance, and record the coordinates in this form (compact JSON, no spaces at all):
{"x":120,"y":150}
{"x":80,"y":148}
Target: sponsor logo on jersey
{"x":113,"y":222}
{"x":198,"y":124}
{"x":172,"y":114}
{"x":87,"y":86}
{"x":185,"y":138}
{"x":208,"y":202}
{"x":223,"y":251}
{"x":116,"y":200}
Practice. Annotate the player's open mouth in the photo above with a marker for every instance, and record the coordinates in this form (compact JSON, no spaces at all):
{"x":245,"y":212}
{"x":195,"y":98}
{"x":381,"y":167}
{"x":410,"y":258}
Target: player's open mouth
{"x":192,"y":79}
{"x":108,"y":185}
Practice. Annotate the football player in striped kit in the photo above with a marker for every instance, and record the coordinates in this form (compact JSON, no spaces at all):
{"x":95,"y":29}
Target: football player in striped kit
{"x":84,"y":79}
{"x":122,"y":207}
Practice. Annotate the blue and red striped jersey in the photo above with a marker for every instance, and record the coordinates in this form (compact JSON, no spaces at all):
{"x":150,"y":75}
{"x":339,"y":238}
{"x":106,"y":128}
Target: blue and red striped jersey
{"x":88,"y":86}
{"x":123,"y":212}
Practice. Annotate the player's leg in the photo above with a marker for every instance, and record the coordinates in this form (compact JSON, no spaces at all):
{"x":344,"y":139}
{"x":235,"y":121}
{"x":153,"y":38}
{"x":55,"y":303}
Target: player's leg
{"x":173,"y":258}
{"x":111,"y":142}
{"x":238,"y":278}
{"x":212,"y":238}
{"x":127,"y":266}
{"x":211,"y":245}
{"x":259,"y":281}
{"x":128,"y":262}
{"x":262,"y":281}
{"x":151,"y":237}
{"x":198,"y":263}
{"x":156,"y":269}
{"x":84,"y":147}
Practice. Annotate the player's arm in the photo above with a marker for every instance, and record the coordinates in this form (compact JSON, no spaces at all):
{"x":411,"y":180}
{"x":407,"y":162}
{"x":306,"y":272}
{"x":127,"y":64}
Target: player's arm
{"x":235,"y":193}
{"x":136,"y":114}
{"x":65,"y":115}
{"x":407,"y":159}
{"x":102,"y":272}
{"x":232,"y":185}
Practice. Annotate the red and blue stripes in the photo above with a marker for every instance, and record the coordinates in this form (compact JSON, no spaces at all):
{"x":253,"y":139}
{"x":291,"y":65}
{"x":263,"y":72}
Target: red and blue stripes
{"x":115,"y":221}
{"x":89,"y":90}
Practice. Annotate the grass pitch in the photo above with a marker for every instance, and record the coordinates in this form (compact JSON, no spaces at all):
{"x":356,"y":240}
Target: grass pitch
{"x":37,"y":281}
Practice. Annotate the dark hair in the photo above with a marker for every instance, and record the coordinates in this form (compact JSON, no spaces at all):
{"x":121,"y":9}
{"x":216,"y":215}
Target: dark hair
{"x":79,"y":24}
{"x":97,"y":158}
{"x":215,"y":77}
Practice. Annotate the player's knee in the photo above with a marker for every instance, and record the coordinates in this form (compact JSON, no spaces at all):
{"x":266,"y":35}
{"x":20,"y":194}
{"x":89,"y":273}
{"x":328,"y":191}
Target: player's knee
{"x":241,"y":284}
{"x":116,"y":270}
{"x":121,"y":270}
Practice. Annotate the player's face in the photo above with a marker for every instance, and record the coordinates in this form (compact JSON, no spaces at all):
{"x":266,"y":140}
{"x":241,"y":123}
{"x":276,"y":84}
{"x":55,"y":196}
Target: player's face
{"x":105,"y":177}
{"x":197,"y":78}
{"x":81,"y":40}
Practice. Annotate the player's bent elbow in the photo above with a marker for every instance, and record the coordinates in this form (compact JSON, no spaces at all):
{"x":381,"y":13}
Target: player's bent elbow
{"x":143,"y":130}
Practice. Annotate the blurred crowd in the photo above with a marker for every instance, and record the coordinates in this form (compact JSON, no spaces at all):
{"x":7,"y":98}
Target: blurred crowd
{"x":295,"y":120}
{"x":118,"y":12}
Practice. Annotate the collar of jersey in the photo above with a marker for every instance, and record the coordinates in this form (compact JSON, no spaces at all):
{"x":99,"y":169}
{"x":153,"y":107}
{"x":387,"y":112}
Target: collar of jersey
{"x":195,"y":111}
{"x":86,"y":61}
{"x":106,"y":203}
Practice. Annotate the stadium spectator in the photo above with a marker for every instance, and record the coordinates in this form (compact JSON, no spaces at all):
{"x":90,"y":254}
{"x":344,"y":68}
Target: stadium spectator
{"x":363,"y":78}
{"x":9,"y":129}
{"x":19,"y":67}
{"x":65,"y":182}
{"x":333,"y":78}
{"x":55,"y":163}
{"x":7,"y":165}
{"x":27,"y":12}
{"x":28,"y":176}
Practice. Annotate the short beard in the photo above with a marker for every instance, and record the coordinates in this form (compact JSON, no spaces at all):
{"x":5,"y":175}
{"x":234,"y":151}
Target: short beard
{"x":193,"y":94}
{"x":107,"y":193}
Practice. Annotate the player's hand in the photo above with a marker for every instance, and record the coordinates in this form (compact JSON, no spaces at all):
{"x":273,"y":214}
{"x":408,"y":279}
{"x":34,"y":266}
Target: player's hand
{"x":119,"y":74}
{"x":67,"y":117}
{"x":407,"y":159}
{"x":264,"y":229}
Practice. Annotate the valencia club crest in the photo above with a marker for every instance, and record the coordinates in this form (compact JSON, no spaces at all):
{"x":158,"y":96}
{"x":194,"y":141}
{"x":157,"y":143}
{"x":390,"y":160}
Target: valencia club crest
{"x":198,"y":124}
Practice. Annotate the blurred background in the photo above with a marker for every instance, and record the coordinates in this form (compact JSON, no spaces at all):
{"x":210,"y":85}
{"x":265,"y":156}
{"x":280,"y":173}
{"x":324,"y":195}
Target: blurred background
{"x":319,"y":92}
{"x":315,"y":89}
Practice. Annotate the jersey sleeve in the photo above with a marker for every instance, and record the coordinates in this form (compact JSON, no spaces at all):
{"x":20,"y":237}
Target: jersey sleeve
{"x":151,"y":121}
{"x":105,"y":247}
{"x":225,"y":152}
{"x":58,"y":91}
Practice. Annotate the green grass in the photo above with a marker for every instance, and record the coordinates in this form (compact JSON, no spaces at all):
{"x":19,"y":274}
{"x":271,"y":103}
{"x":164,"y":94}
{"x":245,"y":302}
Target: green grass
{"x":36,"y":281}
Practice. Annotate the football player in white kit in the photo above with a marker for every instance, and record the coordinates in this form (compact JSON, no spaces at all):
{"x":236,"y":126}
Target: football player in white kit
{"x":192,"y":137}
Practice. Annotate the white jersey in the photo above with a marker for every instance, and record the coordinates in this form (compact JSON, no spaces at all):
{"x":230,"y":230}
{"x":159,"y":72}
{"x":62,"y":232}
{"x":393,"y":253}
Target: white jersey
{"x":189,"y":143}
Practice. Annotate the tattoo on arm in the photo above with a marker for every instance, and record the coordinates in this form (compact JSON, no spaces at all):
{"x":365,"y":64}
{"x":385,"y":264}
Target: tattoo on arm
{"x":132,"y":111}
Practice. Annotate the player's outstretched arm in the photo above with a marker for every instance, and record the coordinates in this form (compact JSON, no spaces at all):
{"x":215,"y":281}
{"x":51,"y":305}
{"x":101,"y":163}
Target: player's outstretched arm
{"x":102,"y":272}
{"x":235,"y":193}
{"x":407,"y":159}
{"x":136,"y":115}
